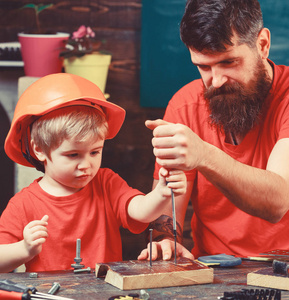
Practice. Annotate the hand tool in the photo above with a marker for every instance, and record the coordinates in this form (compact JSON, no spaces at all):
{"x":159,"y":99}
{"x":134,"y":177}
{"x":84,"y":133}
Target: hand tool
{"x":11,"y":286}
{"x":222,"y":260}
{"x":280,"y":267}
{"x":6,"y":295}
{"x":131,"y":296}
{"x":174,"y":223}
{"x":246,"y":294}
{"x":151,"y":245}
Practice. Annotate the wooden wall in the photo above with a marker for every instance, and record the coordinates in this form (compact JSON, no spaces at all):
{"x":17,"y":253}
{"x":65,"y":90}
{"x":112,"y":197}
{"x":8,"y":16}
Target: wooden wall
{"x":119,"y":24}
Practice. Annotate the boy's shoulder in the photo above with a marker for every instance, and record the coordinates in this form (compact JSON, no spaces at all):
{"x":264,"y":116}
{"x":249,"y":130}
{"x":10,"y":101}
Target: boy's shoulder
{"x":104,"y":174}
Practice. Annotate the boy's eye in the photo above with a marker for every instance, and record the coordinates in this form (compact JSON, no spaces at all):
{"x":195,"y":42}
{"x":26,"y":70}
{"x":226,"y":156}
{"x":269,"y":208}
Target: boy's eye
{"x":94,"y":152}
{"x":72,"y":155}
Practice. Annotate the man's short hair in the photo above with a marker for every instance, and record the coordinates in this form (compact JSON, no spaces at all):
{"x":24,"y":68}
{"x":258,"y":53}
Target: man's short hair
{"x":79,"y":122}
{"x":209,"y":25}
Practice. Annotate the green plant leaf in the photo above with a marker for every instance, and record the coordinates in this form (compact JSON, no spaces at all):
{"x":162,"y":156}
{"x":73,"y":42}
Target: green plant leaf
{"x":37,"y":7}
{"x":29,"y":6}
{"x":41,"y":7}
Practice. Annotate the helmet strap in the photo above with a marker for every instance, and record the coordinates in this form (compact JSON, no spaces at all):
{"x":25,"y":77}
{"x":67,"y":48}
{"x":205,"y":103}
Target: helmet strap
{"x":36,"y":163}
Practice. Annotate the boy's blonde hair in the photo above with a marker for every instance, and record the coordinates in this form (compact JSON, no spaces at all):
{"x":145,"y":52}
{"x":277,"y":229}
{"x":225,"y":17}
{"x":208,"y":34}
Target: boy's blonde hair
{"x":78,"y":122}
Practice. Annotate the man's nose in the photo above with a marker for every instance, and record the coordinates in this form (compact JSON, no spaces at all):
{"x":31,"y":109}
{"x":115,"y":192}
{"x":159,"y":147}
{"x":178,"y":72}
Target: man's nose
{"x":218,"y":78}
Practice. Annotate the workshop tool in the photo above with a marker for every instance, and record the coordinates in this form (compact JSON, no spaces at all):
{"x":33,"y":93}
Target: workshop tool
{"x":174,"y":223}
{"x":131,"y":296}
{"x":6,"y":295}
{"x":151,"y":246}
{"x":271,"y":255}
{"x":77,"y":259}
{"x":280,"y":267}
{"x":246,"y":294}
{"x":222,"y":260}
{"x":11,"y":286}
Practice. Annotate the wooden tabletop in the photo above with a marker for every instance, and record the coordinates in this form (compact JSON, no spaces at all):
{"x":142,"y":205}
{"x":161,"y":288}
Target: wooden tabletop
{"x":87,"y":286}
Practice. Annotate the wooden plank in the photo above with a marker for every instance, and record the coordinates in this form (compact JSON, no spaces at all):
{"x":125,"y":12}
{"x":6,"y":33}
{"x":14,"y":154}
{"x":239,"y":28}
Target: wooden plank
{"x":267,"y":278}
{"x":135,"y":274}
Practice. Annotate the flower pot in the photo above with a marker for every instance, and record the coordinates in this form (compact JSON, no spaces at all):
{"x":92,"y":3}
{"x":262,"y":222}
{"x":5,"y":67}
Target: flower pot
{"x":93,"y":67}
{"x":40,"y":53}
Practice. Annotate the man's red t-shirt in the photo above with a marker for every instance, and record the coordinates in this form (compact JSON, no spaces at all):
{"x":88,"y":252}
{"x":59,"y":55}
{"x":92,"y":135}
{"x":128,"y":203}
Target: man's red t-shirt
{"x":218,"y":226}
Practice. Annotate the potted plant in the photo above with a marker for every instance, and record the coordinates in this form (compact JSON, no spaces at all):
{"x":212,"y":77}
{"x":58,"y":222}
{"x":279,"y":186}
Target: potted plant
{"x":39,"y":49}
{"x":83,"y":57}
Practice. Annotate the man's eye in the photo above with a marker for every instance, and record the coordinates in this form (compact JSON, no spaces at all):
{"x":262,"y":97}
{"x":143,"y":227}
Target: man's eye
{"x":204,"y":68}
{"x":229,"y":62}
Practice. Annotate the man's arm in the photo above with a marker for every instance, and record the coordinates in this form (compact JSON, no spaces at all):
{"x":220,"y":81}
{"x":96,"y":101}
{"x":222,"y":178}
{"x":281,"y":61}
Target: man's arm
{"x":261,"y":193}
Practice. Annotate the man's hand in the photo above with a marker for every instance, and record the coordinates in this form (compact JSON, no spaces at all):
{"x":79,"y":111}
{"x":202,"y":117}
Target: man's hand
{"x":176,"y":146}
{"x":164,"y":250}
{"x":35,"y":234}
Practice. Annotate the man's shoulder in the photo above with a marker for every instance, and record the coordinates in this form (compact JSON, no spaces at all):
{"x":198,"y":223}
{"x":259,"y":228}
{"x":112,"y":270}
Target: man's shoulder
{"x":188,"y":95}
{"x":281,"y":76}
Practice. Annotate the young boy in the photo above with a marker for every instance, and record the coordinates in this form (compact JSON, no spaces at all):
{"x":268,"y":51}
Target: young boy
{"x":60,"y":125}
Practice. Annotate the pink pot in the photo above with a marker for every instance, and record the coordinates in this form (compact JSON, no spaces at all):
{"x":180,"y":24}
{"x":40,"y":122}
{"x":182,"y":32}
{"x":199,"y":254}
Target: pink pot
{"x":40,"y":53}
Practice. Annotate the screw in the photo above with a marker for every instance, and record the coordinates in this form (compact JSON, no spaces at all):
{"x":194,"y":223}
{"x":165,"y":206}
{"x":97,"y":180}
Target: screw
{"x":82,"y":270}
{"x":33,"y":275}
{"x":55,"y":287}
{"x":77,"y":259}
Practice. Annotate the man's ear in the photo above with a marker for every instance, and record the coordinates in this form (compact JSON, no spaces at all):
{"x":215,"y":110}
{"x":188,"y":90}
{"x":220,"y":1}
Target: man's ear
{"x":264,"y":43}
{"x":41,"y":156}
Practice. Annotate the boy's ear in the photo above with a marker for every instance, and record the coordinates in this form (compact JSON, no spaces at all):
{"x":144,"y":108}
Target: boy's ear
{"x":38,"y":152}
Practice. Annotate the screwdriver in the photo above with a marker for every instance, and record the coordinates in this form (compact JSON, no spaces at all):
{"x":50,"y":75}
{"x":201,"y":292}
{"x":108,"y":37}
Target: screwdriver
{"x":6,"y":295}
{"x":174,"y":223}
{"x":11,"y":286}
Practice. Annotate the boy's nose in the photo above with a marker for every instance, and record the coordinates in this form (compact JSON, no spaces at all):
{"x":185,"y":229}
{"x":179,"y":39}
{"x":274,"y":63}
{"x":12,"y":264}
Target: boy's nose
{"x":84,"y":164}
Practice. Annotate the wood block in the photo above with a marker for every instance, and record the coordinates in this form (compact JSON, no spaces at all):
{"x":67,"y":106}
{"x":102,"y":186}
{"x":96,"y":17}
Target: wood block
{"x":136,"y":274}
{"x":267,"y":278}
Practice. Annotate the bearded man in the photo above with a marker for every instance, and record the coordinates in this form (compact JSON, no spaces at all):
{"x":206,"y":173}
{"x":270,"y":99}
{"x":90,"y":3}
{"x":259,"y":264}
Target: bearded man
{"x":229,"y":131}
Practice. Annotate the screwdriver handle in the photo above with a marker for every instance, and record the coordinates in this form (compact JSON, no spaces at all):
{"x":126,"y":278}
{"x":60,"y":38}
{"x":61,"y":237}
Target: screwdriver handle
{"x":6,"y":295}
{"x":11,"y":286}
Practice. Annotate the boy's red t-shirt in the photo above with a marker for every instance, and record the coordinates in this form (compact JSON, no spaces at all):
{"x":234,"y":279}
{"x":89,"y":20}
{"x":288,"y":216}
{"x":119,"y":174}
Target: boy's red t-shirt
{"x":93,"y":215}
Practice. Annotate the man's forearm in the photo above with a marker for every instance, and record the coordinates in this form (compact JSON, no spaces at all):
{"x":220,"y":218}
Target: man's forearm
{"x":256,"y":191}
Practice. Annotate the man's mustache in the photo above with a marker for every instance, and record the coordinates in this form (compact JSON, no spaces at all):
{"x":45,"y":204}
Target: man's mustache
{"x":223,"y":90}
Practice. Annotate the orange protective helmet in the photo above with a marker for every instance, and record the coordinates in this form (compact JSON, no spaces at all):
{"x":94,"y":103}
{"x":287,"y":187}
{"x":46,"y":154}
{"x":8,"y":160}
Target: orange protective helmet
{"x":47,"y":94}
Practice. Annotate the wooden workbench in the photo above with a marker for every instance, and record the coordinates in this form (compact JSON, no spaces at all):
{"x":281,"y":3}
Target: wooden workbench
{"x":87,"y":286}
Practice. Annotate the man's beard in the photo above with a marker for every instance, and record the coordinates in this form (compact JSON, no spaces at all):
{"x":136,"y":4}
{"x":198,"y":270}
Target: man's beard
{"x":235,"y":108}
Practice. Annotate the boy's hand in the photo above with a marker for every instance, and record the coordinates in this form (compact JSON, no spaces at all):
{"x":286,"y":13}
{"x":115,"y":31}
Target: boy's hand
{"x":35,"y":234}
{"x":174,"y":180}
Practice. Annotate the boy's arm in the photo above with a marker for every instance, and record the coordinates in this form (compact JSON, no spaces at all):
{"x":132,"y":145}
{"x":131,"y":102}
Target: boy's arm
{"x":12,"y":256}
{"x":149,"y":207}
{"x":15,"y":254}
{"x":163,"y":245}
